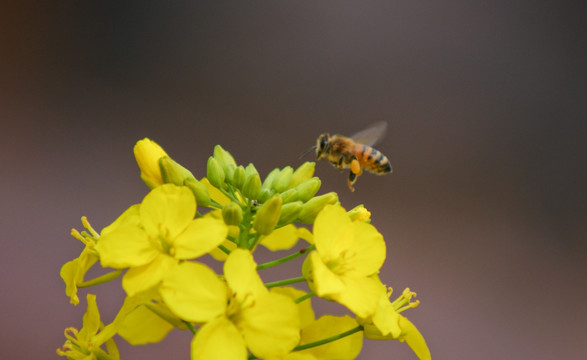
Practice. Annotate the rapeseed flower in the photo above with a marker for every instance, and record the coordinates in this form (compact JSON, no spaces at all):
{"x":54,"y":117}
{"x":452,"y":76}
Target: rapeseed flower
{"x":237,"y":315}
{"x":162,"y":233}
{"x":348,"y":253}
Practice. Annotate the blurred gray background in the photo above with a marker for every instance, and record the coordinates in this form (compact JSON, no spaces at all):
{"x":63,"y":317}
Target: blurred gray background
{"x":484,"y":215}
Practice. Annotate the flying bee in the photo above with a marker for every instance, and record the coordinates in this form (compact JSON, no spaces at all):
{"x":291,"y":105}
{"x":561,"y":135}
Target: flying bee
{"x":355,"y":152}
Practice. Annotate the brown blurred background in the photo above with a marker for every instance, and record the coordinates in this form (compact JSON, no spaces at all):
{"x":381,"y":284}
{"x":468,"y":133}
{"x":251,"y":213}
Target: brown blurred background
{"x":484,"y":214}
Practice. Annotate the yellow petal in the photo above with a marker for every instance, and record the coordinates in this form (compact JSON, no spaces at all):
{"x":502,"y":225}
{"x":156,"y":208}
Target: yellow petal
{"x":414,"y":339}
{"x":142,"y":326}
{"x":386,"y":319}
{"x":128,"y":246}
{"x":241,"y":275}
{"x":200,"y":237}
{"x":73,"y":273}
{"x":141,"y":278}
{"x":304,"y":308}
{"x":147,"y":153}
{"x":215,"y":194}
{"x":368,"y":249}
{"x":331,"y":234}
{"x":169,"y":209}
{"x":194,"y":292}
{"x":91,"y":320}
{"x":346,"y":348}
{"x":218,"y":339}
{"x":271,"y":327}
{"x":325,"y":281}
{"x":283,"y":238}
{"x":129,"y":217}
{"x":360,"y":295}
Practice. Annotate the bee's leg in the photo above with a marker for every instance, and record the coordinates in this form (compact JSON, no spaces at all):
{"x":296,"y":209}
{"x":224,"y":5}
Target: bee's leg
{"x":339,"y":163}
{"x":355,"y":172}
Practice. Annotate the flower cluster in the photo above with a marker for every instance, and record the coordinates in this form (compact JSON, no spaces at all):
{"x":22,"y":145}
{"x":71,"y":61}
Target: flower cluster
{"x":157,"y":246}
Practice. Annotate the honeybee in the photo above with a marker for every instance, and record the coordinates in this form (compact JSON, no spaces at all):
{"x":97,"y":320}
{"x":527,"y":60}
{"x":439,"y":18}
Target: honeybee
{"x":355,"y":152}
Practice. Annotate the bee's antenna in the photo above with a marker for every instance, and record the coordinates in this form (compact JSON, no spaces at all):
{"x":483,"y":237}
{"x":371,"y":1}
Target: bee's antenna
{"x":307,"y":151}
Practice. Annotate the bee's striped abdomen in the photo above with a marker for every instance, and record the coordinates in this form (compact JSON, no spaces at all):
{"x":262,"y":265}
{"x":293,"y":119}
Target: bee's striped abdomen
{"x":373,"y":160}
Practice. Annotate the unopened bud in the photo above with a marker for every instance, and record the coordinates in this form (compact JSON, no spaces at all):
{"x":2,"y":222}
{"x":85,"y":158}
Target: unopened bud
{"x":147,"y":153}
{"x":268,"y":215}
{"x":223,"y":156}
{"x":289,"y":195}
{"x":302,"y":173}
{"x":238,"y":178}
{"x":172,"y":172}
{"x":269,"y":178}
{"x":289,"y":213}
{"x":306,"y":190}
{"x":281,"y":181}
{"x":359,"y":213}
{"x":252,"y":184}
{"x":215,"y":174}
{"x":264,"y":194}
{"x":200,"y":191}
{"x":232,"y":214}
{"x":311,"y":208}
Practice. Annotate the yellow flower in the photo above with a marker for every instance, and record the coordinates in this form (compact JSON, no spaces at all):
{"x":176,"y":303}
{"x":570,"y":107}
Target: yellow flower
{"x":86,"y":343}
{"x":147,"y":153}
{"x":347,"y":254}
{"x":237,"y":315}
{"x":387,"y":323}
{"x":313,"y":330}
{"x":165,"y":233}
{"x":148,"y":319}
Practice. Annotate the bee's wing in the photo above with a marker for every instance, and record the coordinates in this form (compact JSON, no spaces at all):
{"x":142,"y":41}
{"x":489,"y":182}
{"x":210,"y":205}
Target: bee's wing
{"x":371,"y":135}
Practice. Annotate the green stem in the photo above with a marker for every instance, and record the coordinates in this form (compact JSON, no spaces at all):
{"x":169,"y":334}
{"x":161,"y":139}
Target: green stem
{"x":330,"y":339}
{"x":100,"y":279}
{"x":190,"y":326}
{"x":215,"y":204}
{"x":304,"y":297}
{"x":285,"y":259}
{"x":285,"y":282}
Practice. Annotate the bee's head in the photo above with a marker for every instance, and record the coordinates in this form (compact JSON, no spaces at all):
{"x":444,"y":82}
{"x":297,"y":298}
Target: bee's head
{"x":321,"y":144}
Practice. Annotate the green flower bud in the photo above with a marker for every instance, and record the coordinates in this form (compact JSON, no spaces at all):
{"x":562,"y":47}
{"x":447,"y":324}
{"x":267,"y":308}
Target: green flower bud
{"x":252,"y":184}
{"x":311,"y":208}
{"x":215,"y":174}
{"x":200,"y":191}
{"x":303,"y":172}
{"x":289,"y":195}
{"x":268,"y":215}
{"x":270,"y":177}
{"x":172,"y":172}
{"x":223,"y":157}
{"x":281,"y":181}
{"x":238,"y":178}
{"x":306,"y":190}
{"x":289,"y":212}
{"x":264,"y":195}
{"x":232,"y":214}
{"x":229,"y":173}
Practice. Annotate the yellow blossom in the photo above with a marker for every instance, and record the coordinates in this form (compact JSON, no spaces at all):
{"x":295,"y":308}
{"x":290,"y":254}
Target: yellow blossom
{"x":165,"y":233}
{"x":237,"y":314}
{"x":86,"y":343}
{"x":388,"y":324}
{"x":347,"y":254}
{"x":147,"y":153}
